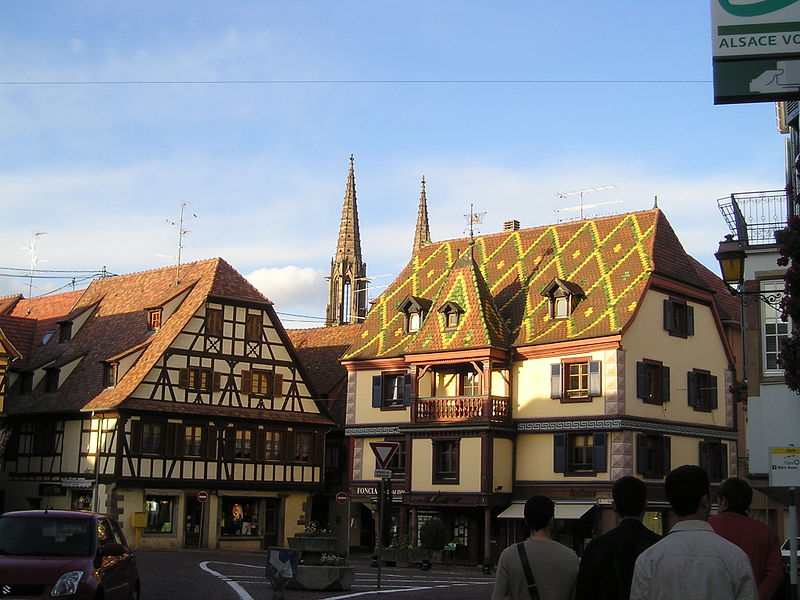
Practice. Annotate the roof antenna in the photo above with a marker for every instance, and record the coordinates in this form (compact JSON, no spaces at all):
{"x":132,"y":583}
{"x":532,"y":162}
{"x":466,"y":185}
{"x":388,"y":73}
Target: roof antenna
{"x":473,"y":219}
{"x":35,"y":260}
{"x":181,"y":232}
{"x":581,"y":205}
{"x":655,"y":202}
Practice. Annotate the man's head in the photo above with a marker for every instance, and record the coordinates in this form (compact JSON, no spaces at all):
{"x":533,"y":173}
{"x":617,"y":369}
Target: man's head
{"x":685,"y":488}
{"x":630,"y":496}
{"x":737,"y":494}
{"x":539,"y":512}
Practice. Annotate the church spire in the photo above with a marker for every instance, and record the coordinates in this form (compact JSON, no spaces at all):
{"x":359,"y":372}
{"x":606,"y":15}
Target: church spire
{"x":348,"y":281}
{"x":422,"y":233}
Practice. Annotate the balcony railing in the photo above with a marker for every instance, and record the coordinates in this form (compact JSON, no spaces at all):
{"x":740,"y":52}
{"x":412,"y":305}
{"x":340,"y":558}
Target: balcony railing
{"x":754,"y":217}
{"x":454,"y":409}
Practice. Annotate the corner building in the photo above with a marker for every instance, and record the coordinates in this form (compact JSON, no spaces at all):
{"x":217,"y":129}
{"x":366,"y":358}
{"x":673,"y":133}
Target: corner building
{"x":550,"y":360}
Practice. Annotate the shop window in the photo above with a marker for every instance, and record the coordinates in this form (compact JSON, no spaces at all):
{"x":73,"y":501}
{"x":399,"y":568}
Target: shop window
{"x":714,"y":459}
{"x":81,"y":500}
{"x":239,"y":516}
{"x":701,"y":389}
{"x":391,"y":390}
{"x":678,"y":317}
{"x":461,"y":530}
{"x":160,"y":511}
{"x":213,"y":322}
{"x":445,"y":461}
{"x":575,"y":380}
{"x":653,"y":455}
{"x":652,"y":382}
{"x":579,"y":453}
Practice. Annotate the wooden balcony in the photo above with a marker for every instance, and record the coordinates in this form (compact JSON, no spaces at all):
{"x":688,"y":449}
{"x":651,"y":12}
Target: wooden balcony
{"x":462,"y":409}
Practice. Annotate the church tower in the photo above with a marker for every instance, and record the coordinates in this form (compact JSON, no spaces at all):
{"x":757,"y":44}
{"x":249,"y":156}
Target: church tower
{"x":422,"y":233}
{"x":347,"y":292}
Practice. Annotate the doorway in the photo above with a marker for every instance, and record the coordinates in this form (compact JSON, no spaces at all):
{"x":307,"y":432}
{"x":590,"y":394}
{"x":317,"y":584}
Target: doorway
{"x":193,"y":524}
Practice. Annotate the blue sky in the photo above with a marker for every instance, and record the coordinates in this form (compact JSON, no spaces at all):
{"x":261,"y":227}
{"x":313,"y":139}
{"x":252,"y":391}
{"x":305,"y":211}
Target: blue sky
{"x":499,"y":104}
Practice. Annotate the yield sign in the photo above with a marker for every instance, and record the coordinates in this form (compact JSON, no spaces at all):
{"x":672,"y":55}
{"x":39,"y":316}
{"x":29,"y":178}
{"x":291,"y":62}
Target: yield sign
{"x":384,"y":451}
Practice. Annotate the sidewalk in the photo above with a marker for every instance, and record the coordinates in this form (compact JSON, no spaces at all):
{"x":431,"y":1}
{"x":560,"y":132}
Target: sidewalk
{"x":363,"y":560}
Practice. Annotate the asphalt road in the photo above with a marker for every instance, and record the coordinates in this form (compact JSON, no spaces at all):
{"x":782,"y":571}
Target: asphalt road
{"x":215,"y":575}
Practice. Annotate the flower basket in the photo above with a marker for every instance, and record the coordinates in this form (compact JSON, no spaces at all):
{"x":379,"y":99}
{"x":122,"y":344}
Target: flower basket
{"x":312,"y":548}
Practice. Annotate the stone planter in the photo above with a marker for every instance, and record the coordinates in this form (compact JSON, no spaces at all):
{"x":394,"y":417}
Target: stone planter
{"x":312,"y":548}
{"x":318,"y":577}
{"x":417,"y":555}
{"x":395,"y":557}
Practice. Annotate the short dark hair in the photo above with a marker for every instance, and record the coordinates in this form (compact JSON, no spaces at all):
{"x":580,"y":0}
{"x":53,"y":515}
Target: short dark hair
{"x":630,"y":496}
{"x":684,"y":487}
{"x":737,"y":492}
{"x":539,"y":510}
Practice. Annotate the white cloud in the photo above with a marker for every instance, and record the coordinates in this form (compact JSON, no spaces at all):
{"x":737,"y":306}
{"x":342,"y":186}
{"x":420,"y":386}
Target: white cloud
{"x":301,"y":291}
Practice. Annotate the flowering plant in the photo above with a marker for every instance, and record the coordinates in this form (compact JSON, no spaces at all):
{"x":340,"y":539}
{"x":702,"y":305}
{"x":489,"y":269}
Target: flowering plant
{"x":331,"y":560}
{"x":789,"y":248}
{"x":314,"y":529}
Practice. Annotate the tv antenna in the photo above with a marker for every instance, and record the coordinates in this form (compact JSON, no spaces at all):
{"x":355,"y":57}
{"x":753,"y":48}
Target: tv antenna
{"x":35,"y":260}
{"x":181,"y":232}
{"x":580,"y":194}
{"x":473,"y":219}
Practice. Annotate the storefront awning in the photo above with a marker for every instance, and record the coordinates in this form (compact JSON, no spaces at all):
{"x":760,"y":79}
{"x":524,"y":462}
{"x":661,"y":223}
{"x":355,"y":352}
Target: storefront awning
{"x":564,"y":510}
{"x":77,"y":483}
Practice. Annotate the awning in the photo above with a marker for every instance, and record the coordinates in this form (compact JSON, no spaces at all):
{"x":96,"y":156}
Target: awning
{"x":77,"y":483}
{"x":564,"y":510}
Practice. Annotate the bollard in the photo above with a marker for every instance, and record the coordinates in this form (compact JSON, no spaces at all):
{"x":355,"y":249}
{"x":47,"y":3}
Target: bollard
{"x":487,"y":568}
{"x":425,"y":565}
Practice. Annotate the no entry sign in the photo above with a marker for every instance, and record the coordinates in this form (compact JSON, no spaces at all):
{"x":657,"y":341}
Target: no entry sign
{"x":342,"y":497}
{"x":202,"y":496}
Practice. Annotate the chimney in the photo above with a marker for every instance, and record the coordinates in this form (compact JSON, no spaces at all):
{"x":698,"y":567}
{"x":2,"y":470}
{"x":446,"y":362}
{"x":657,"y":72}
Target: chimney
{"x":512,"y":225}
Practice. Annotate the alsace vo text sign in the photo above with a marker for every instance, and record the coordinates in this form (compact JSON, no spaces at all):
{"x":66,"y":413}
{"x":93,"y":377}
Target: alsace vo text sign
{"x":784,"y":470}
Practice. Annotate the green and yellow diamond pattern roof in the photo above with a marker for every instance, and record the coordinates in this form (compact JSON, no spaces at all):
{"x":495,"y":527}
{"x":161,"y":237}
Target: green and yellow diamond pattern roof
{"x":500,"y":289}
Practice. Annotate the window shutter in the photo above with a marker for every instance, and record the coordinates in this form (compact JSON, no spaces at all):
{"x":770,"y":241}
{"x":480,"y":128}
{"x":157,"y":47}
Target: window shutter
{"x":136,"y":437}
{"x":261,"y":436}
{"x":229,"y":436}
{"x":212,"y":442}
{"x":689,"y":320}
{"x":664,"y":384}
{"x":560,"y":452}
{"x":712,"y":381}
{"x":704,"y":456}
{"x":318,"y":442}
{"x":407,"y":389}
{"x":666,"y":454}
{"x":600,"y":462}
{"x":595,"y":378}
{"x":376,"y":391}
{"x":247,"y":382}
{"x":555,"y":380}
{"x":168,"y":443}
{"x":641,"y":381}
{"x":691,"y":388}
{"x":641,"y":454}
{"x":277,"y":385}
{"x":216,"y":377}
{"x":669,"y":324}
{"x":183,"y":378}
{"x":723,"y":460}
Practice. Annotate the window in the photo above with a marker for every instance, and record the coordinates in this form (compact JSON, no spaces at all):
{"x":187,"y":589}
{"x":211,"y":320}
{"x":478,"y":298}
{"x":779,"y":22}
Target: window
{"x":64,"y":331}
{"x":239,"y":516}
{"x":415,"y":310}
{"x":653,"y":455}
{"x":398,"y":462}
{"x":461,"y":530}
{"x":51,"y":380}
{"x":470,"y":384}
{"x":109,"y":375}
{"x":775,"y":330}
{"x":192,"y":440}
{"x":714,"y":459}
{"x":303,"y":446}
{"x":701,"y":388}
{"x":652,"y":381}
{"x":678,"y":317}
{"x":154,"y":319}
{"x":579,"y":453}
{"x":414,"y":320}
{"x":198,"y":379}
{"x":451,"y":313}
{"x":563,"y":297}
{"x":253,"y":328}
{"x":577,"y":380}
{"x":159,"y":511}
{"x":44,"y":439}
{"x":273,"y":445}
{"x":243,"y":444}
{"x":213,"y":321}
{"x":391,"y":390}
{"x":26,"y":382}
{"x":445,"y":461}
{"x":261,"y":384}
{"x":152,"y":438}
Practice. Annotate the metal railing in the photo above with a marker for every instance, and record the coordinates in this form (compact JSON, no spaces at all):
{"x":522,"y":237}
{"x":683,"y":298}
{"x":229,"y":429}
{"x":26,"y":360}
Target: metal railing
{"x":462,"y":408}
{"x":754,"y":217}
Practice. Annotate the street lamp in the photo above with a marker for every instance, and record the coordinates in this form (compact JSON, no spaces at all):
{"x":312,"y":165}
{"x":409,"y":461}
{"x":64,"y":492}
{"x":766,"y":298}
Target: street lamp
{"x":731,"y":257}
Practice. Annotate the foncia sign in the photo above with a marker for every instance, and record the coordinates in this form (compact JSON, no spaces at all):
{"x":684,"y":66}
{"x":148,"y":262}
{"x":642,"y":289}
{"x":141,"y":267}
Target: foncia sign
{"x":756,"y":50}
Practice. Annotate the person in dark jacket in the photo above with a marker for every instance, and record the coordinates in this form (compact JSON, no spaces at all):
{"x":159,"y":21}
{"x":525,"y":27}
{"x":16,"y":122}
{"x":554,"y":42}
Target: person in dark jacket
{"x":606,"y":568}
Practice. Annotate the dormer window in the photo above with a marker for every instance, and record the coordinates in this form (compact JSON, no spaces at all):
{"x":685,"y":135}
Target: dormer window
{"x":51,"y":377}
{"x":109,"y":375}
{"x":415,"y":310}
{"x":451,"y":313}
{"x":154,"y":319}
{"x":64,"y":332}
{"x":564,"y":296}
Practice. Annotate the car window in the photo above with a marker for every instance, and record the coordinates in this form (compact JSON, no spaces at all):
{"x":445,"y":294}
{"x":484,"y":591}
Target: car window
{"x":45,"y":536}
{"x":105,"y":532}
{"x":118,"y":532}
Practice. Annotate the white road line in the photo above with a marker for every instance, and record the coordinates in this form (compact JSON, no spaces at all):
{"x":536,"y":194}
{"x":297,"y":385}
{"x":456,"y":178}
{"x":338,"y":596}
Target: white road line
{"x":392,"y":591}
{"x":240,"y":591}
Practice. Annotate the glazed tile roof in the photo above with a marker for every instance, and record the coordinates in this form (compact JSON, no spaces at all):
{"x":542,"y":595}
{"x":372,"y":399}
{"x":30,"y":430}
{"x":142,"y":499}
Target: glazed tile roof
{"x":611,"y":258}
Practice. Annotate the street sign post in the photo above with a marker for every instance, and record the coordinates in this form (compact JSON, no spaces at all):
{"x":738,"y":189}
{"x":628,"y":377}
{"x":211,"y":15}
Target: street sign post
{"x":383,"y":473}
{"x":384,"y":452}
{"x":202,"y":498}
{"x":784,"y":471}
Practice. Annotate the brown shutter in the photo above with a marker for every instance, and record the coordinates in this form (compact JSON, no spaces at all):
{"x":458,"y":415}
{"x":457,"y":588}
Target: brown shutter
{"x":136,"y":437}
{"x":217,"y":378}
{"x":183,"y":378}
{"x":170,"y":435}
{"x":247,"y":382}
{"x":260,"y":444}
{"x":211,"y":433}
{"x":277,"y":386}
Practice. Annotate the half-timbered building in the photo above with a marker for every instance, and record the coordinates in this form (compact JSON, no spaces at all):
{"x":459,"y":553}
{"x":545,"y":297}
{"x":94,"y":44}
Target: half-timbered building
{"x":172,"y":399}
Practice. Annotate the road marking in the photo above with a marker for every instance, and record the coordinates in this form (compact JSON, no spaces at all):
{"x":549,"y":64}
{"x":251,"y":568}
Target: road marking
{"x":240,"y":591}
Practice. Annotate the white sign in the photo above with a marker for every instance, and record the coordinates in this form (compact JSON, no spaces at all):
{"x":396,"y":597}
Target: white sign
{"x":784,"y":467}
{"x":383,"y":473}
{"x":384,"y":451}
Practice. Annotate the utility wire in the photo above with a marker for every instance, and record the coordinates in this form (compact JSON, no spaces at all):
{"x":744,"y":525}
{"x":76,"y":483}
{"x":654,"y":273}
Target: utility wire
{"x":352,"y":81}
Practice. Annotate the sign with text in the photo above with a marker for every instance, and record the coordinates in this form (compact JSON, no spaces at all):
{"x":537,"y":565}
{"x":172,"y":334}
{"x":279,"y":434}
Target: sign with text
{"x":384,"y":451}
{"x":756,"y":52}
{"x":784,"y":468}
{"x":282,"y":562}
{"x":383,"y":473}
